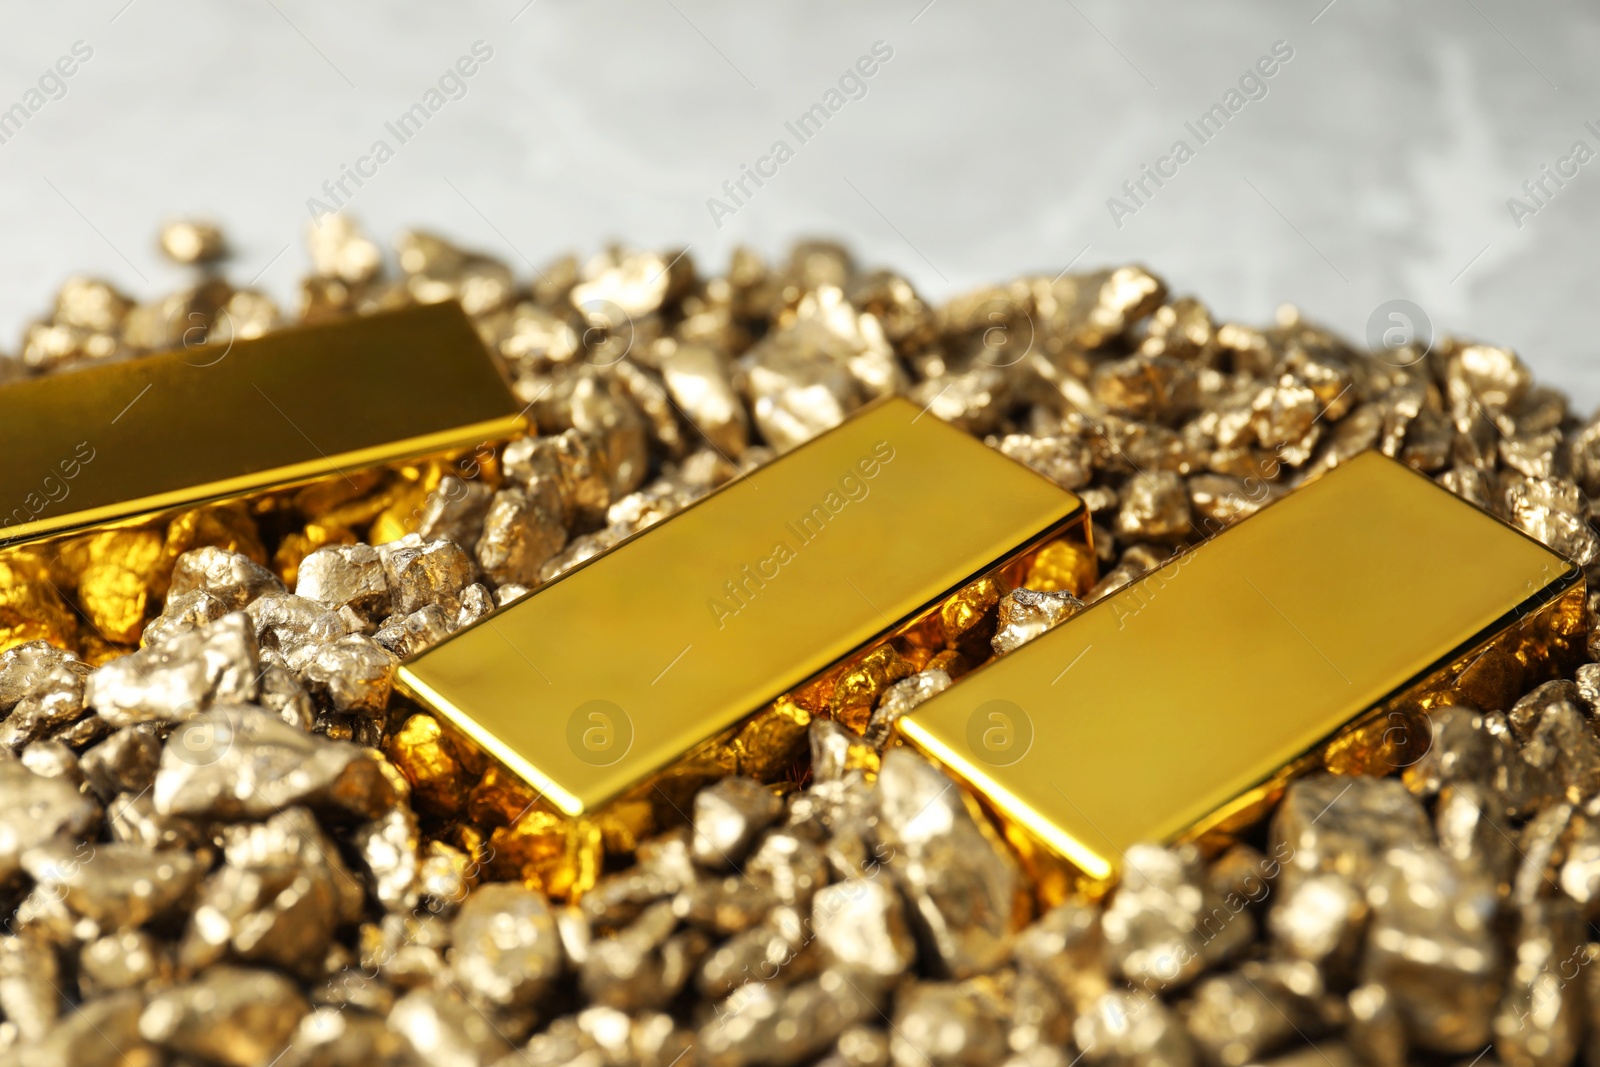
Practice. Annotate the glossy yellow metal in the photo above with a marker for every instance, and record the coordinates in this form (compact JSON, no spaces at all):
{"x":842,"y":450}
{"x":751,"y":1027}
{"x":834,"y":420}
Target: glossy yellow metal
{"x":123,"y":441}
{"x":621,"y":666}
{"x":1151,"y":714}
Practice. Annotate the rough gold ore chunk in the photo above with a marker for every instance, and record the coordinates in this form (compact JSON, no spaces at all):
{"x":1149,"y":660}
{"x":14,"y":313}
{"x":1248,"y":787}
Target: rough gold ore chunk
{"x":418,"y":575}
{"x":962,"y":883}
{"x":1431,"y":943}
{"x":861,"y":926}
{"x":102,"y":1033}
{"x":454,"y":511}
{"x":234,"y":1016}
{"x":192,"y":241}
{"x":942,"y":1022}
{"x":352,"y":674}
{"x":389,"y":847}
{"x":900,"y":698}
{"x":1027,"y":613}
{"x":727,"y":817}
{"x":181,"y":613}
{"x":277,"y":899}
{"x":701,"y":384}
{"x":179,"y":678}
{"x":1123,"y":1028}
{"x":1344,"y":826}
{"x":1065,"y":460}
{"x":340,"y":576}
{"x":1540,"y":1016}
{"x":1150,"y":927}
{"x":1155,"y":507}
{"x":236,"y":761}
{"x":836,"y":751}
{"x":761,"y":1023}
{"x":521,"y":531}
{"x":506,"y":948}
{"x":1235,"y":1018}
{"x":806,"y":377}
{"x":114,"y":885}
{"x":33,"y":809}
{"x":328,"y":1037}
{"x":41,"y":689}
{"x":291,"y":629}
{"x":126,"y":959}
{"x":232,"y":578}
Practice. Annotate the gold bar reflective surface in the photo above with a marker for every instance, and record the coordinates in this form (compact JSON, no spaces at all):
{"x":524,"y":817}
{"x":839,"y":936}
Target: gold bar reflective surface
{"x":129,"y":439}
{"x":625,"y":664}
{"x":1309,"y":635}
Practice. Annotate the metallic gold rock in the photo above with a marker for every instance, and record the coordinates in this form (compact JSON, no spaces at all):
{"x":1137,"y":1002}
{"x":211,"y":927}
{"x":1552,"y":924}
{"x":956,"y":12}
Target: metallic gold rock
{"x":125,"y":762}
{"x":231,"y":1015}
{"x":1234,"y":1019}
{"x":33,"y":809}
{"x":521,"y":531}
{"x":945,"y":1023}
{"x":179,"y":678}
{"x":1165,"y":925}
{"x":1024,"y":614}
{"x":1539,"y":1018}
{"x":1064,"y":460}
{"x":701,"y":385}
{"x":1129,"y":1029}
{"x":354,"y":674}
{"x":331,"y":1038}
{"x":964,"y":887}
{"x":1431,"y":943}
{"x":762,"y":1024}
{"x":860,"y":925}
{"x":192,"y":241}
{"x":808,"y":376}
{"x":727,"y":817}
{"x":103,"y":1033}
{"x":505,"y":946}
{"x":237,"y":760}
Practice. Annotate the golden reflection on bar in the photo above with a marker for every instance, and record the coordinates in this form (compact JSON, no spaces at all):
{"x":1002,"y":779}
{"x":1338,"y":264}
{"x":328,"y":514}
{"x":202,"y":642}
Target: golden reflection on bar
{"x":624,"y":666}
{"x":268,"y":446}
{"x":1314,"y":634}
{"x":130,"y":439}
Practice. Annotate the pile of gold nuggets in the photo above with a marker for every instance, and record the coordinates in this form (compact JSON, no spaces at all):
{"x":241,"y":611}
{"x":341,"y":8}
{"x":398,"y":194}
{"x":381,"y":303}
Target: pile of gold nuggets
{"x":343,"y":888}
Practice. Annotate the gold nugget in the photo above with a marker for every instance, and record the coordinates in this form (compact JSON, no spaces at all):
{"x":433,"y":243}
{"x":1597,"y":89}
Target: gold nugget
{"x":851,"y":543}
{"x":1315,"y":634}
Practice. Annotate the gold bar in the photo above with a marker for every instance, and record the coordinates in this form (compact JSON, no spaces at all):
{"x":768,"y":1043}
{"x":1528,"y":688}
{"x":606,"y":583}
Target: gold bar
{"x":128,"y":440}
{"x":627,"y":664}
{"x":1314,"y":634}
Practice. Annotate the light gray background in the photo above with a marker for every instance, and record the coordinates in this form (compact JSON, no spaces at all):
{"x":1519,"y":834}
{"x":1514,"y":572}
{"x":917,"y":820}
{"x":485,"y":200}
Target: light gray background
{"x":1377,"y":167}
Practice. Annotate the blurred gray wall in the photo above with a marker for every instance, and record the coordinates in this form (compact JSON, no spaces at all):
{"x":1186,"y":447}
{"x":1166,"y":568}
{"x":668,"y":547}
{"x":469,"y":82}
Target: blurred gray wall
{"x":1376,"y":163}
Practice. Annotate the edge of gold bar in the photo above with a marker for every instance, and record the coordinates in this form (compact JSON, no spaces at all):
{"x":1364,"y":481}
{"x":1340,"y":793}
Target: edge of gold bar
{"x":126,"y":440}
{"x":632,"y":661}
{"x":1314,"y":634}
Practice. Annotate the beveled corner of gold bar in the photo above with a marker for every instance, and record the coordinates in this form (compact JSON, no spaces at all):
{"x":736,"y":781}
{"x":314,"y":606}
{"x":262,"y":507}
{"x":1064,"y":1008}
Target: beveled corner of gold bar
{"x":127,"y":440}
{"x":1313,"y":634}
{"x":638,"y":658}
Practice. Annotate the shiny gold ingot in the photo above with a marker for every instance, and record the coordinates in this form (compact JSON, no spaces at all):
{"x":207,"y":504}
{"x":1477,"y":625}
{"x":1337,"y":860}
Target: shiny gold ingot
{"x":1316,"y":634}
{"x":624,"y":666}
{"x":130,"y":440}
{"x":113,"y":472}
